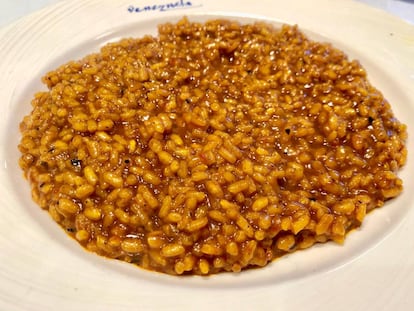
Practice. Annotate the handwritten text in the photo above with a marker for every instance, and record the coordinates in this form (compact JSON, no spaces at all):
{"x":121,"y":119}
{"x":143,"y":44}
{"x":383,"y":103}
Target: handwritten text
{"x":181,"y":4}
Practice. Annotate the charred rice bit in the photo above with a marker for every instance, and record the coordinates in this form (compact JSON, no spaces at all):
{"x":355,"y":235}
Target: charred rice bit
{"x":212,"y":147}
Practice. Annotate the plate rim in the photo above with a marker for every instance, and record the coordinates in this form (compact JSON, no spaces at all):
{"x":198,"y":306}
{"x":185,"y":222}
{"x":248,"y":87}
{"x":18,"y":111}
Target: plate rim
{"x":19,"y":26}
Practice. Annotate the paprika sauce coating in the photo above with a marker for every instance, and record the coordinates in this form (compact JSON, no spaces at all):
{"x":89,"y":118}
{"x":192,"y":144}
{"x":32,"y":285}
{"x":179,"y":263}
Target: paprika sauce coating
{"x":211,"y":147}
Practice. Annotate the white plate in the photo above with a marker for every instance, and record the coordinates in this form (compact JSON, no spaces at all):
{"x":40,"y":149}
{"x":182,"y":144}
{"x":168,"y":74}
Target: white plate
{"x":41,"y":268}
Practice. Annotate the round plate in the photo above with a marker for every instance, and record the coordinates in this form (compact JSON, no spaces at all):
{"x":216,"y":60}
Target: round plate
{"x":40,"y":266}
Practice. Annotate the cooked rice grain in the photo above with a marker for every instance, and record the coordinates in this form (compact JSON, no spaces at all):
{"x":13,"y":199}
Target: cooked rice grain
{"x":212,"y":147}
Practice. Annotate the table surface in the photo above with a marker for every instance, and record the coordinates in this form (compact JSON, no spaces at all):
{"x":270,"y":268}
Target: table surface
{"x":11,"y":10}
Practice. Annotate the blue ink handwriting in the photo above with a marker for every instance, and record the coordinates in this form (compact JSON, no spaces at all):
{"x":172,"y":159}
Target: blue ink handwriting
{"x":181,"y":4}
